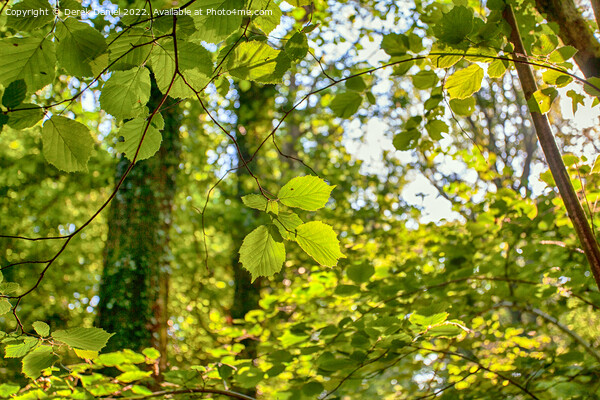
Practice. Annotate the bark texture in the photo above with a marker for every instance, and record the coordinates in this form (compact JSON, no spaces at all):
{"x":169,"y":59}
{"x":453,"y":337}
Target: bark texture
{"x":574,"y":30}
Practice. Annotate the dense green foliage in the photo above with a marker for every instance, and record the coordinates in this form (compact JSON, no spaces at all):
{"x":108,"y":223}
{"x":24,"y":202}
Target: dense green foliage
{"x":351,"y":292}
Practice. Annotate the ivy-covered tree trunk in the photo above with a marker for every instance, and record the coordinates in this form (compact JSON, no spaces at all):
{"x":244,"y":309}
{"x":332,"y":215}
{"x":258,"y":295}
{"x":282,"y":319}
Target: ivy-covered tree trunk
{"x":254,"y":115}
{"x":135,"y":282}
{"x":253,"y":122}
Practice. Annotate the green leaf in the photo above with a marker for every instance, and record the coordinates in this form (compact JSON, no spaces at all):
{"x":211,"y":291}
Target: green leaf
{"x":37,"y":361}
{"x":131,"y":376}
{"x":455,"y":25}
{"x":9,"y":287}
{"x":297,"y":46}
{"x":7,"y":390}
{"x":360,"y":273}
{"x":406,"y":140}
{"x":268,"y":21}
{"x":425,"y":79}
{"x":592,"y":91}
{"x":5,"y":306}
{"x":287,"y":222}
{"x":25,"y":116}
{"x":253,"y":61}
{"x":541,"y":100}
{"x":435,"y":129}
{"x":463,"y":83}
{"x":320,"y":242}
{"x":260,"y":254}
{"x":126,"y":50}
{"x":126,"y":93}
{"x":426,"y":321}
{"x":83,"y":338}
{"x":556,"y":78}
{"x":132,"y":133}
{"x":346,"y":104}
{"x":222,"y":85}
{"x":395,"y":44}
{"x":151,"y":353}
{"x":356,"y":83}
{"x":544,"y":45}
{"x":216,"y":21}
{"x":67,"y":144}
{"x":29,"y":15}
{"x":463,"y":107}
{"x":497,"y":68}
{"x":404,"y":64}
{"x":195,"y":64}
{"x":306,"y":192}
{"x":31,"y":59}
{"x":562,"y":54}
{"x":313,"y":389}
{"x":192,"y":56}
{"x":259,"y":202}
{"x":496,"y":5}
{"x":41,"y":328}
{"x":78,"y":45}
{"x":14,"y":94}
{"x":20,"y":349}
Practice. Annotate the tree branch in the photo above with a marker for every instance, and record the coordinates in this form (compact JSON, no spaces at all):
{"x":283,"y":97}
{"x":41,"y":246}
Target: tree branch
{"x":553,"y":156}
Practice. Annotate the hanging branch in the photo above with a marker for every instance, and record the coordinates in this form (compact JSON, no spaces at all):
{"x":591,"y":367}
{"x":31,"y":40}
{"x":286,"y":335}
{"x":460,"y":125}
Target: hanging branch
{"x":552,"y":154}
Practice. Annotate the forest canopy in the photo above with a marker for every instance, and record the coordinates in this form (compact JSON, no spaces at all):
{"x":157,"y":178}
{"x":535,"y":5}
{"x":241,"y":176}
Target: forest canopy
{"x":301,"y":199}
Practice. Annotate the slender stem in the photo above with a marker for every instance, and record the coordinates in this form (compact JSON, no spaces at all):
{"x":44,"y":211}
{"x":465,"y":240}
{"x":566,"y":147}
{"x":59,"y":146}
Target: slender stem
{"x":552,"y":153}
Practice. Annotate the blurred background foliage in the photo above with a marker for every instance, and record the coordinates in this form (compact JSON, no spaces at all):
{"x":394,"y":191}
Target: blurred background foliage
{"x":462,"y":276}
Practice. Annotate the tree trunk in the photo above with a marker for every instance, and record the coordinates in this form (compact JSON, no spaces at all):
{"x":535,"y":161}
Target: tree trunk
{"x":135,"y":281}
{"x":553,"y":156}
{"x":574,"y":30}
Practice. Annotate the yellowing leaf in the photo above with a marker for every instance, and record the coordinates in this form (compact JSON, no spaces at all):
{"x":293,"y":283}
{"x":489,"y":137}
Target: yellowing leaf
{"x":86,"y":354}
{"x":463,"y":83}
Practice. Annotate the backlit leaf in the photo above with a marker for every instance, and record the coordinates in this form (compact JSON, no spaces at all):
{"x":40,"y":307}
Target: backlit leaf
{"x":126,"y":93}
{"x":260,"y":254}
{"x":345,"y":105}
{"x":41,"y":328}
{"x":133,"y":132}
{"x":320,"y":242}
{"x":37,"y":361}
{"x":306,"y":192}
{"x":463,"y":83}
{"x":78,"y":44}
{"x":83,"y":338}
{"x":67,"y":144}
{"x":31,"y":59}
